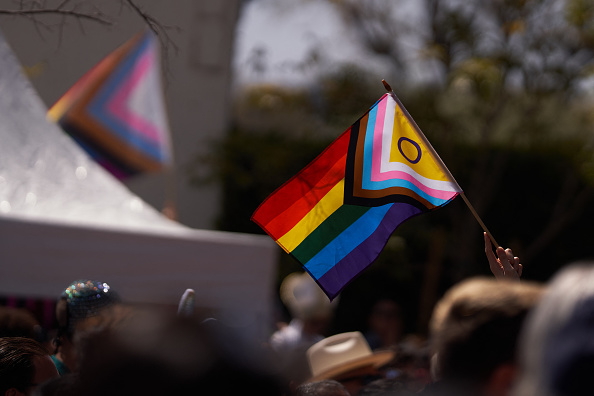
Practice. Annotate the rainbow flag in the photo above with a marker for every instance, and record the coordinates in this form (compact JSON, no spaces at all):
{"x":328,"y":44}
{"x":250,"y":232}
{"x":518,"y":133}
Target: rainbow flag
{"x":336,"y":215}
{"x":116,"y":111}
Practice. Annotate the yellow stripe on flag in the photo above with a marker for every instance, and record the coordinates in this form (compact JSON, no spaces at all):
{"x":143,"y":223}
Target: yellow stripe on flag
{"x":312,"y":220}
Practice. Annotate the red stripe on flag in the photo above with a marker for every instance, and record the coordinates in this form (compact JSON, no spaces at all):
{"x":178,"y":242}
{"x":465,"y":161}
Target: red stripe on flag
{"x":283,"y":223}
{"x":315,"y":176}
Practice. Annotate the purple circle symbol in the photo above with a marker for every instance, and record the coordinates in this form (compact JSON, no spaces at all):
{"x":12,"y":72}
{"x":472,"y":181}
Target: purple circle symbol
{"x":415,"y":144}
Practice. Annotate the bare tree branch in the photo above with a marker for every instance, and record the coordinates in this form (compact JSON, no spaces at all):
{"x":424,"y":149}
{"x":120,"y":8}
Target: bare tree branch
{"x":99,"y":18}
{"x":84,"y":10}
{"x":157,"y":27}
{"x":160,"y":30}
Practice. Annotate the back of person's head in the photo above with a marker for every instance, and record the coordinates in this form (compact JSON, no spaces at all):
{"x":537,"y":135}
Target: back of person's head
{"x":475,"y":326}
{"x":557,"y":347}
{"x":154,"y":353}
{"x":19,"y":358}
{"x":82,"y":299}
{"x":321,"y":388}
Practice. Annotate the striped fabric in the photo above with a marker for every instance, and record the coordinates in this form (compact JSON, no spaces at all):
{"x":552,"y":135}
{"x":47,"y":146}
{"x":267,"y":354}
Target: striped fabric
{"x":336,"y":215}
{"x":116,"y":111}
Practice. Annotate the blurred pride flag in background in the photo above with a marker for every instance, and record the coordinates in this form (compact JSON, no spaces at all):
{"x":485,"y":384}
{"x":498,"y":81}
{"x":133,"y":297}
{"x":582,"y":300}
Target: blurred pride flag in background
{"x":336,"y":215}
{"x":116,"y":111}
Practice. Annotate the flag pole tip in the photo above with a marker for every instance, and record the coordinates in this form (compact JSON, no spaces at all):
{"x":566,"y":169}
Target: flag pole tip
{"x":387,"y":86}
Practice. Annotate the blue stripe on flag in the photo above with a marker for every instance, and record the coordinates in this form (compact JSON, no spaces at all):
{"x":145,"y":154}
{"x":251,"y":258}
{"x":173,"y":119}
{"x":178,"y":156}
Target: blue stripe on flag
{"x":348,"y":240}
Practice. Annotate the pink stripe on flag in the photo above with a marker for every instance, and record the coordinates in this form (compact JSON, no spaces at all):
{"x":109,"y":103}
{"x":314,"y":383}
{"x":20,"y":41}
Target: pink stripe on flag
{"x":118,"y":104}
{"x":378,"y":133}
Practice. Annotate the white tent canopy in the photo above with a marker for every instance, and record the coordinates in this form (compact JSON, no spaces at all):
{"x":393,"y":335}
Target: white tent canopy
{"x":63,"y":217}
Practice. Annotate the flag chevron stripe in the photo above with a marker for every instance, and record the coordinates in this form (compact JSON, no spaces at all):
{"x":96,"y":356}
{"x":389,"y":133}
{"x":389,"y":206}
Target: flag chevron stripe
{"x":397,"y":194}
{"x":402,"y":170}
{"x":342,"y":245}
{"x":95,"y":76}
{"x":354,"y":177}
{"x":370,"y":145}
{"x":383,"y":168}
{"x":376,"y":150}
{"x":328,"y":231}
{"x":118,"y":106}
{"x":101,"y":106}
{"x":83,"y":128}
{"x":316,"y":216}
{"x":437,"y":201}
{"x":291,"y":191}
{"x":106,"y":159}
{"x":137,"y":141}
{"x":286,"y":220}
{"x":77,"y":120}
{"x":109,"y":105}
{"x":344,"y":271}
{"x":121,"y":170}
{"x":369,"y":148}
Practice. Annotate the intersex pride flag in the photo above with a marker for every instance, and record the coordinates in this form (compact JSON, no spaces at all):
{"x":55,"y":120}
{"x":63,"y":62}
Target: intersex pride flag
{"x":336,"y":215}
{"x":116,"y":111}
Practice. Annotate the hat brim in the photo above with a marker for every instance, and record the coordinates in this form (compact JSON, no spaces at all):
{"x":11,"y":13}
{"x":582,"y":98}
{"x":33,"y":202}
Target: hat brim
{"x":377,"y":360}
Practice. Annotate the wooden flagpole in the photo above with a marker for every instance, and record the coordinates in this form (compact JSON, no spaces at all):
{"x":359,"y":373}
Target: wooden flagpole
{"x":170,"y":204}
{"x":438,"y":159}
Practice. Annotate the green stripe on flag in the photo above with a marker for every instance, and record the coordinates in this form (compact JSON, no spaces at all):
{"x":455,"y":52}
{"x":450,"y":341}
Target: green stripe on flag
{"x":333,"y":226}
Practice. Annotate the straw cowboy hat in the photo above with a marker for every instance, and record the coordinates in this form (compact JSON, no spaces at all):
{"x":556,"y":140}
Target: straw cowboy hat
{"x":342,"y":353}
{"x":304,"y":298}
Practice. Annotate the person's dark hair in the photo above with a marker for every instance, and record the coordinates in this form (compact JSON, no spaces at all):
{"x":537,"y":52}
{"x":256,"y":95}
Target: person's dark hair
{"x":17,"y":368}
{"x":65,"y":385}
{"x":321,"y":388}
{"x":385,"y":387}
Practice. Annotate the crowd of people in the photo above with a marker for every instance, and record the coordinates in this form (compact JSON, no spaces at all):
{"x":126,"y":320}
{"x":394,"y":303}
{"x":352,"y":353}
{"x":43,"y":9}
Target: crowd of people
{"x":488,"y":336}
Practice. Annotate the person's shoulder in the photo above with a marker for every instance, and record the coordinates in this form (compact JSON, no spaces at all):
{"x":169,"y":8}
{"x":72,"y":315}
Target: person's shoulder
{"x":61,"y":367}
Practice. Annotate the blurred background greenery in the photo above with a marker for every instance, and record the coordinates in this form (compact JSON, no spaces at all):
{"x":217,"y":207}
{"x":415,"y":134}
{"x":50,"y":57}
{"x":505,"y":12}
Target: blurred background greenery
{"x":508,"y":108}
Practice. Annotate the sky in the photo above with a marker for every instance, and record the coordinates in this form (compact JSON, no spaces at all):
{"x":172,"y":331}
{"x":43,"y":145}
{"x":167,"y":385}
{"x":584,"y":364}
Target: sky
{"x":284,"y":33}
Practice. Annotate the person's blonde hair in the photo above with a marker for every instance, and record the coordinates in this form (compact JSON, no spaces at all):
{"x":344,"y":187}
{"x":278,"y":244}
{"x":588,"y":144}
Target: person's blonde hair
{"x":474,"y":326}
